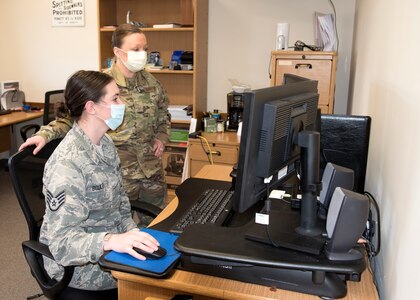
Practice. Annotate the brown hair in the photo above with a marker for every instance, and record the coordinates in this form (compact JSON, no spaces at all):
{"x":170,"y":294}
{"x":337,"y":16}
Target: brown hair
{"x":121,"y":32}
{"x":84,"y":86}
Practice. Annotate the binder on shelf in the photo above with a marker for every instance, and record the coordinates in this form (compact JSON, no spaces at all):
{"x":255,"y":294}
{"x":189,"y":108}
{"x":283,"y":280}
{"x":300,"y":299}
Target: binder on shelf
{"x":179,"y":135}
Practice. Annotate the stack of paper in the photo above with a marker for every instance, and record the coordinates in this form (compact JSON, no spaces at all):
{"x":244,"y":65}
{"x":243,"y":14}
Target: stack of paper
{"x":167,"y":25}
{"x":325,"y":31}
{"x":179,"y":112}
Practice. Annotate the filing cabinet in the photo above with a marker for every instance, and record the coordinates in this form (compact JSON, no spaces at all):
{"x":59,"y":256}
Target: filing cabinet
{"x":318,"y":65}
{"x":224,"y":147}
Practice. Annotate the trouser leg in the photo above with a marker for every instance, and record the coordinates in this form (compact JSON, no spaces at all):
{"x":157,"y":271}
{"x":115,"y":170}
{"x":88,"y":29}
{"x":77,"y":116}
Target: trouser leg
{"x":151,"y":190}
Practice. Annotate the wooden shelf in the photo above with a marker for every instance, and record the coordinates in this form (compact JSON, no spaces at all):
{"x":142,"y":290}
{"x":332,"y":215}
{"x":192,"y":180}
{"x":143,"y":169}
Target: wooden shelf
{"x":149,"y":29}
{"x":180,"y":121}
{"x":181,"y":86}
{"x":175,"y":72}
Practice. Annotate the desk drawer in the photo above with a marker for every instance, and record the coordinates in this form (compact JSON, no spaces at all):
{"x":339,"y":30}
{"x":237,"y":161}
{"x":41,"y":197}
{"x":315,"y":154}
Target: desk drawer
{"x":227,"y":155}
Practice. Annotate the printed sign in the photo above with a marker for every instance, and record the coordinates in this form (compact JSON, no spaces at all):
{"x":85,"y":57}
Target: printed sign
{"x":68,"y":13}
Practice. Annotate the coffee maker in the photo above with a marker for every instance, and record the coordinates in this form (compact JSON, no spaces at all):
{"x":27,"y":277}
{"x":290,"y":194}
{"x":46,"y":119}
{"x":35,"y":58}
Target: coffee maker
{"x":235,"y":104}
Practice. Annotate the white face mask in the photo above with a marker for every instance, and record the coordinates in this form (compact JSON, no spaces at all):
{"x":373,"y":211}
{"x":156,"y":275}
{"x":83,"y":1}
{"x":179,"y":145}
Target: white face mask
{"x":136,"y":60}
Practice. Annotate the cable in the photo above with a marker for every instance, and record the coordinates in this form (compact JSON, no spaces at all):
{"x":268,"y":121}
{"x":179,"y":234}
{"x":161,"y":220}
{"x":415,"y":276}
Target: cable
{"x":266,"y":210}
{"x":210,"y":154}
{"x":299,"y":46}
{"x":34,"y":296}
{"x":373,"y":227}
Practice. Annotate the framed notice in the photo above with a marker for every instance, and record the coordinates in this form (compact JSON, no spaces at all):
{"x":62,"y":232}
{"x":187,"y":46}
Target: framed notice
{"x":66,"y":13}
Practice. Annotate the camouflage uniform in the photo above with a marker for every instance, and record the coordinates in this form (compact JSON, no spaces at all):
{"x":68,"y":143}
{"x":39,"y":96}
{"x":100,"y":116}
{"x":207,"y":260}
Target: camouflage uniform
{"x":85,"y":200}
{"x":146,"y":119}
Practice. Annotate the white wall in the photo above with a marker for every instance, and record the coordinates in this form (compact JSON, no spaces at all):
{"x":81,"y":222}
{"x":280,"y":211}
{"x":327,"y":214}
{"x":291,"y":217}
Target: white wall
{"x":241,"y":38}
{"x":42,"y":57}
{"x":242,"y":35}
{"x":385,"y":85}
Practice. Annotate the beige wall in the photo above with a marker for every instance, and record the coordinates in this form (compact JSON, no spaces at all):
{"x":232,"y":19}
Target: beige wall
{"x":385,"y":85}
{"x":42,"y":57}
{"x":241,"y":37}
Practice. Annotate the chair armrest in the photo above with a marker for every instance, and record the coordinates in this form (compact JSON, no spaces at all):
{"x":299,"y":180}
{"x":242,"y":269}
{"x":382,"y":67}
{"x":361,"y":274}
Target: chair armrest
{"x":34,"y":251}
{"x":145,"y":208}
{"x":37,"y":247}
{"x":25,"y":129}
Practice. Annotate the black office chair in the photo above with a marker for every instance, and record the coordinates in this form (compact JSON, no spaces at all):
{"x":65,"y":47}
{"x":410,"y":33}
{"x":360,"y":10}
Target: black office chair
{"x":50,"y":101}
{"x":26,"y":172}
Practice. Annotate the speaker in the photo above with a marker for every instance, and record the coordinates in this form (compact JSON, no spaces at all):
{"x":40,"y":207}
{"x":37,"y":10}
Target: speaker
{"x":346,"y":220}
{"x":282,"y":38}
{"x":334,"y":176}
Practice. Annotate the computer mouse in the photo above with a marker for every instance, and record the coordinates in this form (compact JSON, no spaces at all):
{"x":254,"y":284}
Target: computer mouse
{"x":160,"y":252}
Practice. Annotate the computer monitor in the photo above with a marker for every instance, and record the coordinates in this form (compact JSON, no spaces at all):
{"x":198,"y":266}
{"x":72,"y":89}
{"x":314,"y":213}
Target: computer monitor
{"x":272,"y":119}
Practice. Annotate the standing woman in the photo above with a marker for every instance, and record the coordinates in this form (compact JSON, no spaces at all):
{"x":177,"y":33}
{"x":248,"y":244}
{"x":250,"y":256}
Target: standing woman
{"x":87,"y":211}
{"x":141,"y":138}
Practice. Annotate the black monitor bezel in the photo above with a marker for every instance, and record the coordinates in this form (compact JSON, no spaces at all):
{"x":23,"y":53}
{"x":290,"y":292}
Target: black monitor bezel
{"x":249,"y":189}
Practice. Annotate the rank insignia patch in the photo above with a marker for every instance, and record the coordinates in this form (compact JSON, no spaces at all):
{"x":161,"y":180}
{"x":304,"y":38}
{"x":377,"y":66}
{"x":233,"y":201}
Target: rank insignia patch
{"x":54,"y":202}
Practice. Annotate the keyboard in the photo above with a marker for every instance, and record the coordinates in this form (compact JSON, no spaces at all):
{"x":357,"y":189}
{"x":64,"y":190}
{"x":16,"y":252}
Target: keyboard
{"x":212,"y":207}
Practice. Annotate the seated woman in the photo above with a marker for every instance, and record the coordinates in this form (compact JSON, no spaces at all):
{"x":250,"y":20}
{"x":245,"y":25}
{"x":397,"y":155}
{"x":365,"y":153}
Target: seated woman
{"x":87,"y":210}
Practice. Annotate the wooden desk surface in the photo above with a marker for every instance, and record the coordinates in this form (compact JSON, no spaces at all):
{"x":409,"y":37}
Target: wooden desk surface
{"x":210,"y":287}
{"x":19,"y":116}
{"x":227,"y":137}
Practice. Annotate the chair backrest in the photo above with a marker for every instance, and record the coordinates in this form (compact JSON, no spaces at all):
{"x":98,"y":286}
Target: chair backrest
{"x":26,"y":171}
{"x":345,"y":142}
{"x":52,"y":98}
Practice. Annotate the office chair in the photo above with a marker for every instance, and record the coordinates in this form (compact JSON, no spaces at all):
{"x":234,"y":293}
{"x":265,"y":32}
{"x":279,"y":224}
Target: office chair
{"x":345,"y":142}
{"x":51,"y":98}
{"x":26,"y":172}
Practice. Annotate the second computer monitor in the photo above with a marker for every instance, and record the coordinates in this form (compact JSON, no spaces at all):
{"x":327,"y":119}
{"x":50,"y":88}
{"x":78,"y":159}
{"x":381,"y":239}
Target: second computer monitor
{"x":273,"y":117}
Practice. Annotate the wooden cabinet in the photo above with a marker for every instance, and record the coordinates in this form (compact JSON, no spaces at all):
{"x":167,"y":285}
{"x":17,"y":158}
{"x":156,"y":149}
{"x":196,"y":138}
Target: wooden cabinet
{"x":224,"y":147}
{"x":320,"y":66}
{"x":183,"y":87}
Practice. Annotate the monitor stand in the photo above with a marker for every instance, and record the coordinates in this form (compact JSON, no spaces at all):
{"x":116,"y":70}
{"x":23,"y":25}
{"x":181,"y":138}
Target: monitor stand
{"x":281,"y":232}
{"x":296,"y":230}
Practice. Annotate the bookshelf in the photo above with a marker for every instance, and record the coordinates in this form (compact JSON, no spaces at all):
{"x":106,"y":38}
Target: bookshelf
{"x":183,"y":87}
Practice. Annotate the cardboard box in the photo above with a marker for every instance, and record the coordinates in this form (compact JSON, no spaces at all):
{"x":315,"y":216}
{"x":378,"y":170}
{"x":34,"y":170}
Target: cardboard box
{"x":173,"y":164}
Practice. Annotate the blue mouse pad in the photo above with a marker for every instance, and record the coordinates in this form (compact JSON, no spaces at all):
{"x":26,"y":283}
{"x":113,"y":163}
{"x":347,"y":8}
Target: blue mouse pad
{"x":153,"y":266}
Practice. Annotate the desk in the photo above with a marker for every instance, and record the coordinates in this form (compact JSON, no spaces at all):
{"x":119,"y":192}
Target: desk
{"x":225,"y":147}
{"x":209,"y":287}
{"x":8,"y":127}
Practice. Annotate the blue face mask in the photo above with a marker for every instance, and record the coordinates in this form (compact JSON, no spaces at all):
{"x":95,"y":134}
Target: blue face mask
{"x":117,"y":116}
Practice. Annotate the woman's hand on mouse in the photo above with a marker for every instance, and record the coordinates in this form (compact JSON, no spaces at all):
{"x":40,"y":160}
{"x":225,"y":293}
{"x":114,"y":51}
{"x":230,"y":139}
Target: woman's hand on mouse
{"x":124,"y":242}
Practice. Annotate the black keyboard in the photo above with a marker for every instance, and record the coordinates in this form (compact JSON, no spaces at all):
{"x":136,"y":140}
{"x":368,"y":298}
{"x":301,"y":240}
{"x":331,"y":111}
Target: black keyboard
{"x":212,"y":207}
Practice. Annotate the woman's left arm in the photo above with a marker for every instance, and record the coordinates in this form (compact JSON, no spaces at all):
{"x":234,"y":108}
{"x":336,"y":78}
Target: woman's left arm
{"x":125,"y":211}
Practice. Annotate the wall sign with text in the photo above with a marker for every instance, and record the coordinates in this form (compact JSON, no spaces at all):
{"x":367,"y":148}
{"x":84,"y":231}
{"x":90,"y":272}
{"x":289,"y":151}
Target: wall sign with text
{"x":68,"y":13}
